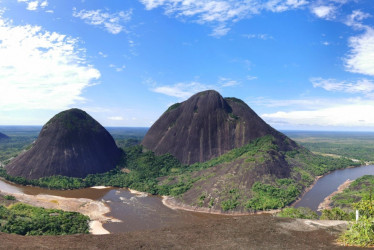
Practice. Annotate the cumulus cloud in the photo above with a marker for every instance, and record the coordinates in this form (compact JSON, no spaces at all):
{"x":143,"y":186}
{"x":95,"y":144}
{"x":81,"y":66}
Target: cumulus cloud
{"x":182,"y":90}
{"x":42,"y":70}
{"x":324,"y":11}
{"x":114,"y":23}
{"x":34,"y":4}
{"x":220,"y":13}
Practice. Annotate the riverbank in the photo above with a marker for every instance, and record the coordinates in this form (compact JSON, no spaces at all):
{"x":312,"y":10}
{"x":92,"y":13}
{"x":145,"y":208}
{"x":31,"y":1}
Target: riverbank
{"x":95,"y":210}
{"x":326,"y":204}
{"x":306,"y":190}
{"x":172,"y":203}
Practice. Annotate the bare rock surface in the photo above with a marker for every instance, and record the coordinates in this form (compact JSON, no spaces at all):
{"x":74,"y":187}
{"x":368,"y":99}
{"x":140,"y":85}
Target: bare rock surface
{"x":71,"y":144}
{"x":204,"y":127}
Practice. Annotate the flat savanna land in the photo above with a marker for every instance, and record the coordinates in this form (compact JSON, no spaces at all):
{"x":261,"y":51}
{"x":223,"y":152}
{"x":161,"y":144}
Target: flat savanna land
{"x":353,"y":145}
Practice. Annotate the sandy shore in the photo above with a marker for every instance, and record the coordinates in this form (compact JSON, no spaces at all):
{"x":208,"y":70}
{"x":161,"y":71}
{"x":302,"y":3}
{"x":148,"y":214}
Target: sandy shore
{"x":95,"y":210}
{"x":138,"y":193}
{"x":325,"y":204}
{"x":99,"y":187}
{"x":172,"y":203}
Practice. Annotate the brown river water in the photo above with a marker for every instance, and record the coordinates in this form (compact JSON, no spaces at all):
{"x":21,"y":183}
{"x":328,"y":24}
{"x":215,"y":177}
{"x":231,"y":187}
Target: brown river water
{"x":137,"y":212}
{"x":142,"y":212}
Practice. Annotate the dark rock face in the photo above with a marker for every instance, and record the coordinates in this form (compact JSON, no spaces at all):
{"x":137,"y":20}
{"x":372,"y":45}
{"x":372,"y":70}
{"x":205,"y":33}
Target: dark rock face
{"x":206,"y":126}
{"x":3,"y":136}
{"x":72,"y":144}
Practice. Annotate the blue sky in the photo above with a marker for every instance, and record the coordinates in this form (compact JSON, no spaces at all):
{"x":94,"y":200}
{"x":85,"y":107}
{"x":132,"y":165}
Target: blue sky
{"x":299,"y":64}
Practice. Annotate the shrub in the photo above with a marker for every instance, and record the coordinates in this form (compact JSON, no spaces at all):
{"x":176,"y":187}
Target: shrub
{"x":300,"y":212}
{"x":361,"y":233}
{"x":9,"y":197}
{"x":336,"y":214}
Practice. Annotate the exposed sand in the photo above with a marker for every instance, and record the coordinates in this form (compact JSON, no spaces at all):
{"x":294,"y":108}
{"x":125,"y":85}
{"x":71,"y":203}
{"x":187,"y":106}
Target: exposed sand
{"x":95,"y":210}
{"x":325,"y":204}
{"x":99,"y":187}
{"x":138,"y":193}
{"x":97,"y":228}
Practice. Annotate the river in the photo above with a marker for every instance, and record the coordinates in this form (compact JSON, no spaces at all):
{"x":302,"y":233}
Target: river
{"x":329,"y":183}
{"x":135,"y":211}
{"x":141,"y":211}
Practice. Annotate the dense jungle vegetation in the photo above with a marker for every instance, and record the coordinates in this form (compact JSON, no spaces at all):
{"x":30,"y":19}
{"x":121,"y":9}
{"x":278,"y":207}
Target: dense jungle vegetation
{"x":28,"y":220}
{"x":141,"y":170}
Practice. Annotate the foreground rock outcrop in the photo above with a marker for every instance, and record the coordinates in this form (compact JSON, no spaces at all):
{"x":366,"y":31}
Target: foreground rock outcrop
{"x":71,"y":144}
{"x":206,"y":126}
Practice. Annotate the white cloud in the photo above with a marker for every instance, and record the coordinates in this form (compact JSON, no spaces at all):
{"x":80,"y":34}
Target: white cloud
{"x":220,"y":30}
{"x":284,"y":5}
{"x":251,"y":78}
{"x":44,"y":4}
{"x":258,"y":36}
{"x":355,"y":19}
{"x":363,"y":86}
{"x":42,"y":70}
{"x":114,"y":23}
{"x":182,"y":90}
{"x":116,"y":118}
{"x":324,"y":11}
{"x":102,"y":54}
{"x":119,"y":69}
{"x":34,"y":4}
{"x":354,"y":115}
{"x":361,"y":56}
{"x":227,"y":82}
{"x":219,"y":13}
{"x":300,"y":103}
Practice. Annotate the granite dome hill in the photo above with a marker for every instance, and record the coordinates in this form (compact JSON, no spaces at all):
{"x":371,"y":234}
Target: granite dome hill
{"x":3,"y":136}
{"x":207,"y":126}
{"x":232,"y":159}
{"x":71,"y":144}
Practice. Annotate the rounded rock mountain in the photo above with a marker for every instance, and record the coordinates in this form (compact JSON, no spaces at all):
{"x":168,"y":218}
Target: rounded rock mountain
{"x":3,"y":136}
{"x":206,"y":126}
{"x":71,"y":144}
